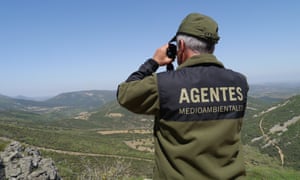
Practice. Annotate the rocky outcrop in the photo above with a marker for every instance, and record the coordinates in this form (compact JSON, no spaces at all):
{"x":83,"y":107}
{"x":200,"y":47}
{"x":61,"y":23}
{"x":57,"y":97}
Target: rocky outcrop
{"x":20,"y":163}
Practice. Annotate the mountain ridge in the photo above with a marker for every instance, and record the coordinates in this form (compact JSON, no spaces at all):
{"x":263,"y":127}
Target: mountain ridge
{"x":88,"y":99}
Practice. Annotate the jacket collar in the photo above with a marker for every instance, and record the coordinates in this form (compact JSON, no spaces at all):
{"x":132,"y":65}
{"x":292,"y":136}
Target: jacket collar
{"x":199,"y":60}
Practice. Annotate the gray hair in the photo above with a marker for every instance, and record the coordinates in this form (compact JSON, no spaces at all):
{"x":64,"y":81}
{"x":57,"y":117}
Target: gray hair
{"x":196,"y":45}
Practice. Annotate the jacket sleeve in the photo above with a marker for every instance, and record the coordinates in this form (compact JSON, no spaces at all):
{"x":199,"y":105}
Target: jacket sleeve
{"x":139,"y":93}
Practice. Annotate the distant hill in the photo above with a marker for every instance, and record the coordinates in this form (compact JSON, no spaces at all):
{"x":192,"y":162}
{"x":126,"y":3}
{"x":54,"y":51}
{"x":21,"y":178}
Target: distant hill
{"x":41,"y":98}
{"x":84,"y":99}
{"x":80,"y":100}
{"x":7,"y":103}
{"x":275,"y":90}
{"x":64,"y":110}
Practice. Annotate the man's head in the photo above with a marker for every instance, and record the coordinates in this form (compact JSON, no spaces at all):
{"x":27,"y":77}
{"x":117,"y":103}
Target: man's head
{"x":197,"y":33}
{"x":200,"y":27}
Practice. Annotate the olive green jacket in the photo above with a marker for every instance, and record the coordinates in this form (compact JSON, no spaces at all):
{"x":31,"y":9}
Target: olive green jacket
{"x":198,"y":117}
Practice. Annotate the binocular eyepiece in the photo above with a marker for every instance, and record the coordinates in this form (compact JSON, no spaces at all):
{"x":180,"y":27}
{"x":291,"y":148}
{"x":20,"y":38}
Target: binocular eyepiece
{"x":171,"y":53}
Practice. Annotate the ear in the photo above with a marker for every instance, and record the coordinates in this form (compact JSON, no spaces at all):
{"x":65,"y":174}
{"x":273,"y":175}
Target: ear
{"x":180,"y":52}
{"x":212,"y":49}
{"x":181,"y":46}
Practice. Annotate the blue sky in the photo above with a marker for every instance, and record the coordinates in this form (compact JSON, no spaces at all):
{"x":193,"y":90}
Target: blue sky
{"x":52,"y":46}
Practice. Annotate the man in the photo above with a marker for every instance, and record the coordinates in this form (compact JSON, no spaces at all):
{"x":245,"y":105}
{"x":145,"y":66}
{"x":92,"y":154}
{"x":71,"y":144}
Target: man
{"x":198,"y":107}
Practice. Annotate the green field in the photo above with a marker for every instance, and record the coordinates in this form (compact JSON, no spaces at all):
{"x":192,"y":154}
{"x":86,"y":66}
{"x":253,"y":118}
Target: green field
{"x":103,"y":155}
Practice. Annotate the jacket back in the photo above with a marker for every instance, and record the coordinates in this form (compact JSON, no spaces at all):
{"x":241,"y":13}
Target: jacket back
{"x":197,"y":132}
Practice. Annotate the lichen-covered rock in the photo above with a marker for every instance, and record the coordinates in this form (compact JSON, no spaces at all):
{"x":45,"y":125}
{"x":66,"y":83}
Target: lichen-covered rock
{"x":19,"y":163}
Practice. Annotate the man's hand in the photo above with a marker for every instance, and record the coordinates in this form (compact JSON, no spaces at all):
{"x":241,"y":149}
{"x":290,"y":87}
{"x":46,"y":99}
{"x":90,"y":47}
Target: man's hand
{"x":160,"y":56}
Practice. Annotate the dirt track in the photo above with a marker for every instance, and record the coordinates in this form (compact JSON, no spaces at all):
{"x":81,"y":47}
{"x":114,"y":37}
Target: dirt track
{"x":269,"y":140}
{"x":81,"y":153}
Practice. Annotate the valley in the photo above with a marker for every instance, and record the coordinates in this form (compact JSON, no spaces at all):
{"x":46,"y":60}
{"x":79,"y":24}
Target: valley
{"x":88,"y":131}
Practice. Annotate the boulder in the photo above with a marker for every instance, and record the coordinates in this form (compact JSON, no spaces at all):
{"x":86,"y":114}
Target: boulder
{"x":20,"y":163}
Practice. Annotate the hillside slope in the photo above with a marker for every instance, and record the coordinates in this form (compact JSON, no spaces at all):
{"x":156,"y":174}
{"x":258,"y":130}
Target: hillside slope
{"x":84,"y":99}
{"x":113,"y":116}
{"x":276,"y":131}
